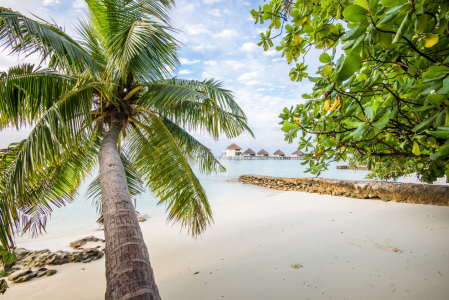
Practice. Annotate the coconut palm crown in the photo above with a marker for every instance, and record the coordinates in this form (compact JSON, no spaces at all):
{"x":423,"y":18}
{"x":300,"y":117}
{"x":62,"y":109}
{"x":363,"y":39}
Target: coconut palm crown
{"x":106,"y":100}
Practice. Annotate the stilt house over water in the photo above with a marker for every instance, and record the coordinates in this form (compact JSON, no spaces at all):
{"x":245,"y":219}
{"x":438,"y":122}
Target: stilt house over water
{"x":249,"y":152}
{"x":263,"y":153}
{"x":297,"y":153}
{"x":279,"y":153}
{"x":233,"y":150}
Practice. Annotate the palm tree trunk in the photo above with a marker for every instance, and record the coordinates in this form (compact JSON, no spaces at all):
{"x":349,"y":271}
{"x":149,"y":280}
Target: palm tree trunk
{"x":128,"y":271}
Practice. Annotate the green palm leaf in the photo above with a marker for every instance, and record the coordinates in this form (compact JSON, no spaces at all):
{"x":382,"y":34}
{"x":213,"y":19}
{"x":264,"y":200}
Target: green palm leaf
{"x":196,"y":106}
{"x":26,"y":93}
{"x":168,"y":175}
{"x":23,"y":35}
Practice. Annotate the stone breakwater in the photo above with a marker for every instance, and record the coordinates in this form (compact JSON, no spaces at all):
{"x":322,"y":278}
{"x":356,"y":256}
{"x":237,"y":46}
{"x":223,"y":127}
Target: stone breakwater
{"x":362,"y":189}
{"x":31,"y":264}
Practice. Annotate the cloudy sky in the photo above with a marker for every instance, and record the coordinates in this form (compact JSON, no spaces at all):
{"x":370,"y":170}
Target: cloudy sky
{"x":219,"y":40}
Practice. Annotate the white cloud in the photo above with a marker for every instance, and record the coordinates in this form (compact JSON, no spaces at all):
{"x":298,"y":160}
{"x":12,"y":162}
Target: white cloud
{"x":210,"y":76}
{"x":277,"y":59}
{"x":79,"y":4}
{"x":242,"y":2}
{"x":185,"y":72}
{"x":202,"y":47}
{"x":211,"y":62}
{"x":260,"y":90}
{"x":211,"y":1}
{"x":234,"y":64}
{"x":215,"y":12}
{"x":252,"y":82}
{"x":270,"y":53}
{"x":185,"y":61}
{"x":189,"y":8}
{"x":249,"y":47}
{"x":248,"y":76}
{"x":227,"y":33}
{"x":50,"y":2}
{"x":196,"y":29}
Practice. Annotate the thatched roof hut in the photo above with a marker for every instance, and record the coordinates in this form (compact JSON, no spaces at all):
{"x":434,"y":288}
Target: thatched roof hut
{"x":249,"y":152}
{"x":279,"y":153}
{"x":297,"y":153}
{"x":263,"y":153}
{"x":234,"y":147}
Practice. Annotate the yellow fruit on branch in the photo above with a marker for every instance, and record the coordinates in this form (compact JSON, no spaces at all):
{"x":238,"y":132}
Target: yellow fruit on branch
{"x":336,"y":103}
{"x":327,"y":104}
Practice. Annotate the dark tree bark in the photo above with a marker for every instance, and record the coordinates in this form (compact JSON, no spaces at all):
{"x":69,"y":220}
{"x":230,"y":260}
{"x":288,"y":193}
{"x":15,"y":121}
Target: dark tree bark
{"x":128,"y":271}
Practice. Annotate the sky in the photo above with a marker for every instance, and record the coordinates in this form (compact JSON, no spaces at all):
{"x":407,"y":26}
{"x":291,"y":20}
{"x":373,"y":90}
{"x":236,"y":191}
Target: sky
{"x":218,"y":40}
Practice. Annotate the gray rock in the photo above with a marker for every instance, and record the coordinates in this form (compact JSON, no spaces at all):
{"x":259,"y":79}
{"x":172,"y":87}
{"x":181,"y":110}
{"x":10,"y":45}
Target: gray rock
{"x":78,"y":243}
{"x":14,"y":276}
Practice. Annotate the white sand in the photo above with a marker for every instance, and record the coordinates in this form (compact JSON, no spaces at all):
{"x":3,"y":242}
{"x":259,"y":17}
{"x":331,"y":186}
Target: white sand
{"x":346,"y":247}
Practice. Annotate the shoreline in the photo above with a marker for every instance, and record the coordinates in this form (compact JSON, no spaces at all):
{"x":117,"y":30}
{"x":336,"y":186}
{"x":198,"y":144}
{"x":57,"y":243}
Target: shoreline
{"x":361,"y":189}
{"x":348,"y":249}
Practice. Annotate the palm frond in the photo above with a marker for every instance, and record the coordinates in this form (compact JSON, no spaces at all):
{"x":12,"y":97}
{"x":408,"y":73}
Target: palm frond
{"x":196,"y":106}
{"x":167,"y":173}
{"x":52,"y":185}
{"x":136,"y":35}
{"x":23,"y":35}
{"x":27,"y":92}
{"x":193,"y":150}
{"x":60,"y":131}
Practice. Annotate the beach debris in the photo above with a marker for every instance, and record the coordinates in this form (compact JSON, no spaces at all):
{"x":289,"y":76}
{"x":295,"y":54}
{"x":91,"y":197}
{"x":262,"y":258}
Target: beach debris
{"x":296,"y":266}
{"x":196,"y":273}
{"x":81,"y":242}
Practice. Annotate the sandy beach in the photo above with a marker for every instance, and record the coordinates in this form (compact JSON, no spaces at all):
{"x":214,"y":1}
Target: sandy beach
{"x":284,"y":245}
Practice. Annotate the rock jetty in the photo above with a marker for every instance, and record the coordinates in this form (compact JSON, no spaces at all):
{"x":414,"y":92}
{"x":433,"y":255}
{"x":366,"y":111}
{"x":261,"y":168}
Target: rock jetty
{"x":362,"y":189}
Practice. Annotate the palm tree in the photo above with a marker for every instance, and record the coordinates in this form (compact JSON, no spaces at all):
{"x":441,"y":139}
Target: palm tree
{"x":105,"y":100}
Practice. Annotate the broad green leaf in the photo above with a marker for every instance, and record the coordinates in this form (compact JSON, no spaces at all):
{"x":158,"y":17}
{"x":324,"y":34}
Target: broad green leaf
{"x":426,"y":123}
{"x":382,"y":122}
{"x":445,"y":88}
{"x":435,"y":73}
{"x":289,"y":126}
{"x":403,"y":28}
{"x":444,"y":150}
{"x":392,"y":3}
{"x":421,"y":23}
{"x":385,"y":39}
{"x":325,"y":58}
{"x":362,"y":3}
{"x":439,"y":134}
{"x":306,"y":96}
{"x":354,"y":13}
{"x":307,"y":28}
{"x":351,"y":65}
{"x":327,"y":70}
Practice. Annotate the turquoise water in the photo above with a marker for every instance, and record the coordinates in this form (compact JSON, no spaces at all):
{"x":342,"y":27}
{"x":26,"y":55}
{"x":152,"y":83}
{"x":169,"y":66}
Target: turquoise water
{"x":79,"y":218}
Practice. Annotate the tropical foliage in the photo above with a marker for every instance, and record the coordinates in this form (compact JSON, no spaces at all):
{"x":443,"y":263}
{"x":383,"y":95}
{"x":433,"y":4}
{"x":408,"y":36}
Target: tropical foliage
{"x":120,"y":62}
{"x":384,"y":97}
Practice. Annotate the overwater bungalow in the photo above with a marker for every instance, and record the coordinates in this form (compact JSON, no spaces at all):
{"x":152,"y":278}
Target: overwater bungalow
{"x":262,"y":153}
{"x":233,"y":150}
{"x":278,"y":153}
{"x":249,"y":152}
{"x":297,"y":153}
